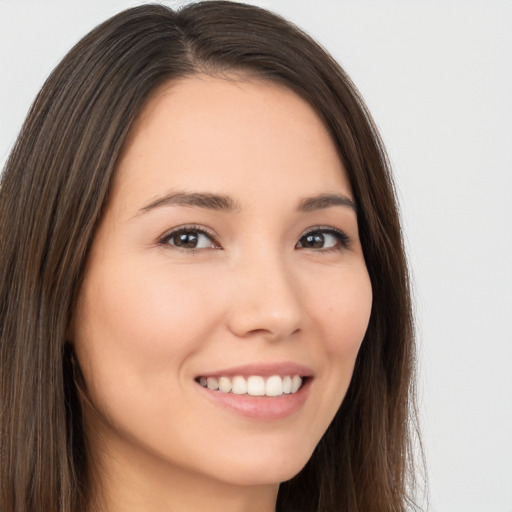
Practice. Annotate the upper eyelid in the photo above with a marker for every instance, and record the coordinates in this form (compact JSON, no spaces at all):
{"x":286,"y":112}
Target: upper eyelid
{"x":313,"y":229}
{"x":189,"y":227}
{"x":344,"y":238}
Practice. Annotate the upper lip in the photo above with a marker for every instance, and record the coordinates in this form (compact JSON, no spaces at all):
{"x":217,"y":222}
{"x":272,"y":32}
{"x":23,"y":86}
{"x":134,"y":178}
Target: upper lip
{"x":263,"y":369}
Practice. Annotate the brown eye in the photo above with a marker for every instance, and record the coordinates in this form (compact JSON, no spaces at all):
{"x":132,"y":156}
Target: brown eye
{"x":313,"y":241}
{"x":185,"y":240}
{"x":190,"y":239}
{"x":323,"y":239}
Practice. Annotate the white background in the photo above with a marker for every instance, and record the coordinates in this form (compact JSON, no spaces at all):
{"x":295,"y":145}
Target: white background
{"x":437,"y":75}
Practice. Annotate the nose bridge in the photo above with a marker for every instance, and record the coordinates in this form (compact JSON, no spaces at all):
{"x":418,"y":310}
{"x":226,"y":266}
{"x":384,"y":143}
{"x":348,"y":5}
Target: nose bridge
{"x":266,"y":298}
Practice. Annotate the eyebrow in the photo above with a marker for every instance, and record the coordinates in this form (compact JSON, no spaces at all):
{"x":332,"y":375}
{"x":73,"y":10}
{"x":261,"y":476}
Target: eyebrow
{"x":200,"y":200}
{"x":322,"y":201}
{"x":225,"y":203}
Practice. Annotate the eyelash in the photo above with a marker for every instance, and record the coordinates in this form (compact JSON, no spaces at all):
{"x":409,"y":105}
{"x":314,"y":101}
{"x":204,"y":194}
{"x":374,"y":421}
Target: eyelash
{"x":342,"y":239}
{"x":164,"y":240}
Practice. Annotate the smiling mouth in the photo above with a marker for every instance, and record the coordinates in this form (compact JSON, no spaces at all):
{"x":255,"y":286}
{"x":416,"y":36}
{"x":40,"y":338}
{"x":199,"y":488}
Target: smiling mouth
{"x":254,"y":385}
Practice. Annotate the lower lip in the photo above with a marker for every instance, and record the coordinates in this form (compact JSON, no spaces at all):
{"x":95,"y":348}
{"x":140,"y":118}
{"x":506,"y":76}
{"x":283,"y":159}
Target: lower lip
{"x":261,"y":407}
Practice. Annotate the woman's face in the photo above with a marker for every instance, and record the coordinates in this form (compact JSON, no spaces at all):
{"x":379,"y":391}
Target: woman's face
{"x":228,"y":255}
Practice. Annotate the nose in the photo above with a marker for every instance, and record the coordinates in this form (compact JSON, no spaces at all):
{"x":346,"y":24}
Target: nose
{"x":265,"y":300}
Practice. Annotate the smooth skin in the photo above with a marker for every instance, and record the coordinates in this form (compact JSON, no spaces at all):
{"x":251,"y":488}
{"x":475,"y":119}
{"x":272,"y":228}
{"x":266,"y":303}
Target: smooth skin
{"x":177,"y":286}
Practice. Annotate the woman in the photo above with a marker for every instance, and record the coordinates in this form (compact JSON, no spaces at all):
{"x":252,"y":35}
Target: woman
{"x":204,"y":296}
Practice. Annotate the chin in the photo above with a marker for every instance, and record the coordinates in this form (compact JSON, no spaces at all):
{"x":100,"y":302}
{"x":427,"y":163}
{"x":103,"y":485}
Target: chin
{"x":273,"y":470}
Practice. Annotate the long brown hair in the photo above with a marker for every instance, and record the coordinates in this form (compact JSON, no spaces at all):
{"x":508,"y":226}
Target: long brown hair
{"x":52,"y":193}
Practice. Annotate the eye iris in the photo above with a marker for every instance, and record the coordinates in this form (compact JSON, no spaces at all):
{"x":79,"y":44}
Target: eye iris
{"x":314,"y":240}
{"x":188,"y":240}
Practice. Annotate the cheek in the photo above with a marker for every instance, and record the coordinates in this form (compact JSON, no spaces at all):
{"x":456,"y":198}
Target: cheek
{"x":135,"y":327}
{"x":342,"y":314}
{"x":342,"y":311}
{"x":339,"y":307}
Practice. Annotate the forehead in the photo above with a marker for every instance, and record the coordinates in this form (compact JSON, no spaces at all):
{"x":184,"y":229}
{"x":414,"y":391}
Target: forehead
{"x":229,"y":136}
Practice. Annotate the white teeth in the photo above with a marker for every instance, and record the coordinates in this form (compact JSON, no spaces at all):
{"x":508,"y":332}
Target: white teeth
{"x":239,"y":386}
{"x":224,"y":385}
{"x":212,"y":383}
{"x":274,"y":386}
{"x":287,"y":384}
{"x":296,"y":384}
{"x":254,"y":385}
